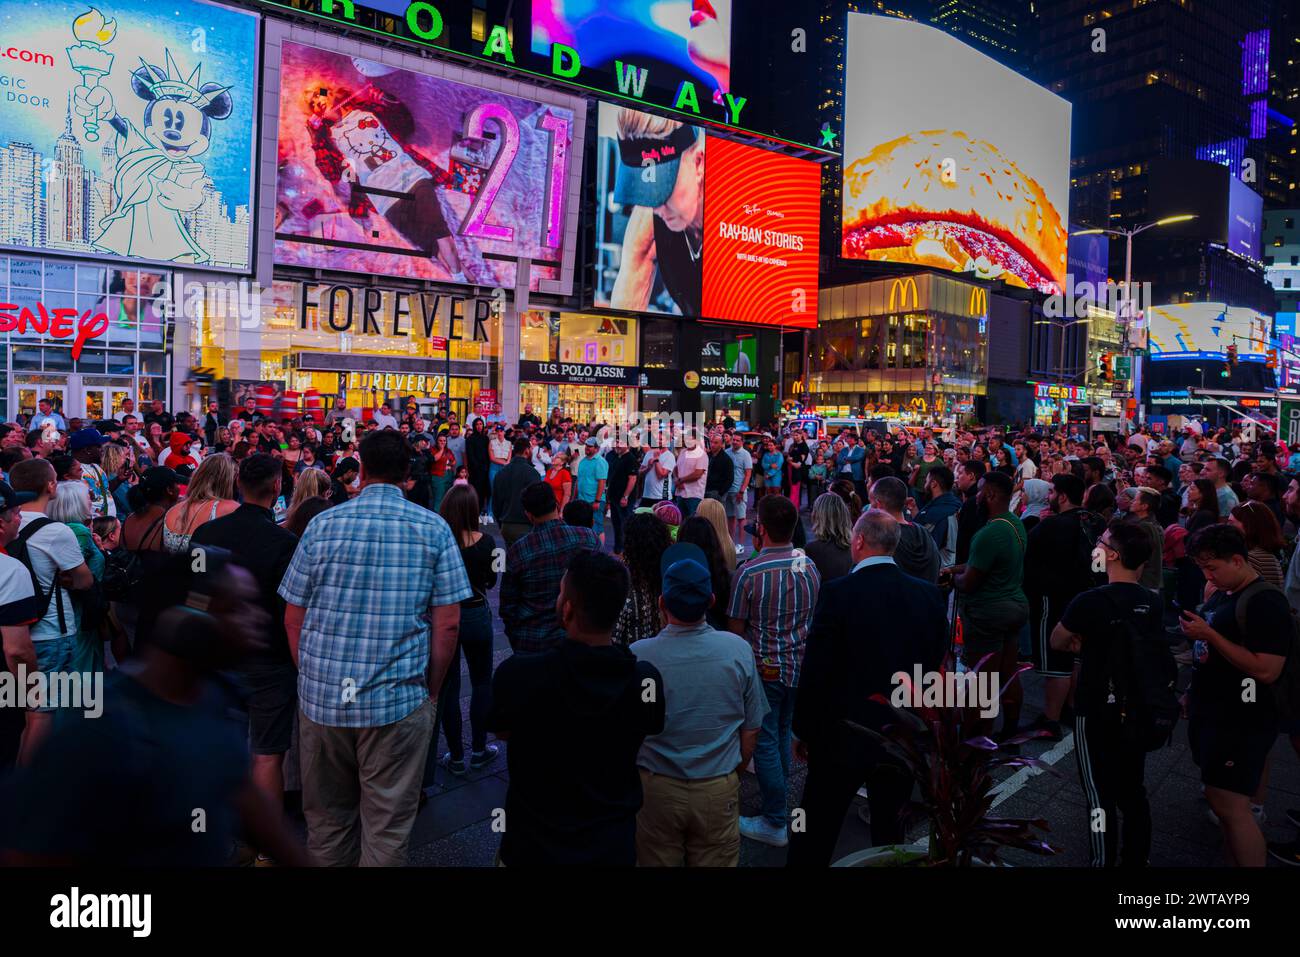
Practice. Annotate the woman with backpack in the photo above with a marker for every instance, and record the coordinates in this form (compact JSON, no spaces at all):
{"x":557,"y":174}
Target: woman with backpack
{"x":71,"y":506}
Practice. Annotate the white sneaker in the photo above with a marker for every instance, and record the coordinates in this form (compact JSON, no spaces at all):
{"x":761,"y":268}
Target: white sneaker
{"x":740,"y":549}
{"x":758,"y":829}
{"x":487,"y":520}
{"x":1256,"y":811}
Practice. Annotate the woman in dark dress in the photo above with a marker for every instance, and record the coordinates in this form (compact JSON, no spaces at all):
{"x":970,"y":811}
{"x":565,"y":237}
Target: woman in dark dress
{"x":476,"y":458}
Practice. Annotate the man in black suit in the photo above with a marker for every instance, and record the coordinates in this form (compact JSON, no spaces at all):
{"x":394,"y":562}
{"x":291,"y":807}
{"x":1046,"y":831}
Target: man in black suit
{"x":250,"y":534}
{"x":868,"y":626}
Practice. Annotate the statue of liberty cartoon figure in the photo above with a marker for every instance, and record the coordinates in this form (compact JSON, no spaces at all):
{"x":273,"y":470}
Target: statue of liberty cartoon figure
{"x":158,"y":177}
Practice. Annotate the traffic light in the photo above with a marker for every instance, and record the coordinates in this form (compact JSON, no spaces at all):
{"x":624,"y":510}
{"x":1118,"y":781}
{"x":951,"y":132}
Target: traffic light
{"x":1232,"y":356}
{"x":1103,"y":367}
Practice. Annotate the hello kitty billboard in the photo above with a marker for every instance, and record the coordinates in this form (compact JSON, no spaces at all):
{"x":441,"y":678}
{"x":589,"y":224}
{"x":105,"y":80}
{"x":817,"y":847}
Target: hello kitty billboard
{"x":388,"y":171}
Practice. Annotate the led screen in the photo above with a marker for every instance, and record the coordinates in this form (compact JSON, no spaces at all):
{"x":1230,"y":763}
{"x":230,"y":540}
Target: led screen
{"x":951,"y":160}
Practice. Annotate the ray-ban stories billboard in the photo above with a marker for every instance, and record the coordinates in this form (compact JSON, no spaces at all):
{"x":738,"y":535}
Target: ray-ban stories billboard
{"x":395,"y":172}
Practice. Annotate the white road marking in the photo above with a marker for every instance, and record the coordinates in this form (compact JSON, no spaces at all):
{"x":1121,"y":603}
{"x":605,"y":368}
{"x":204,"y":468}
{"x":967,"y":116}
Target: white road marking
{"x":1022,"y":777}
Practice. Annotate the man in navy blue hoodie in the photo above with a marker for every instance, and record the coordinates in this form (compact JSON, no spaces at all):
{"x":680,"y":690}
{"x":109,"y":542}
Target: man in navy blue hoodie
{"x":943,"y":505}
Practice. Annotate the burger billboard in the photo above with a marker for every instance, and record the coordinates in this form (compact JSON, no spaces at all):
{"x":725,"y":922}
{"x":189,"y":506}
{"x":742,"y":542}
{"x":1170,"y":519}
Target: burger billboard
{"x":951,"y":160}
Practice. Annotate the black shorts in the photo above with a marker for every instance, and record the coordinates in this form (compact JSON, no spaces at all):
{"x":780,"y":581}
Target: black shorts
{"x":1230,"y":758}
{"x":272,"y":703}
{"x":419,"y":218}
{"x":1045,"y":614}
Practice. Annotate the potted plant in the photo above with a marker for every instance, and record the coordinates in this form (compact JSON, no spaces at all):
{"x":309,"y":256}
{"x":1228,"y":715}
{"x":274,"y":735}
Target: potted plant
{"x":955,"y":777}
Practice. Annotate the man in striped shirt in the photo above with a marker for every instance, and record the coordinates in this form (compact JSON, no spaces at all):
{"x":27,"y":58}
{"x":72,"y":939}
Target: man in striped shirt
{"x":772,"y":602}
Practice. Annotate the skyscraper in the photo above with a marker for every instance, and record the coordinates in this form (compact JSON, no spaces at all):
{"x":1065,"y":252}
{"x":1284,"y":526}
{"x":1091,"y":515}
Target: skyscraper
{"x":1280,"y":183}
{"x":67,"y":193}
{"x":22,"y":220}
{"x":1151,"y":80}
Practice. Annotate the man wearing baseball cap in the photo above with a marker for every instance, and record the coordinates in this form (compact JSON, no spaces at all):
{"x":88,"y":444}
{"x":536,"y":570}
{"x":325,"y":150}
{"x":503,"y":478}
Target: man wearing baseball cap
{"x":87,"y":447}
{"x":660,"y":183}
{"x":593,"y":473}
{"x":690,"y":772}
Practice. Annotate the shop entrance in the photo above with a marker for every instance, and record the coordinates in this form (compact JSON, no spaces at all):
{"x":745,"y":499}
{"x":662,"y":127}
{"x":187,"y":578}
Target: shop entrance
{"x":101,"y":398}
{"x":29,"y":390}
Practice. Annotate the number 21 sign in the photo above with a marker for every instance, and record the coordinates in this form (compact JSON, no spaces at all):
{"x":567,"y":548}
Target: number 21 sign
{"x":388,"y":171}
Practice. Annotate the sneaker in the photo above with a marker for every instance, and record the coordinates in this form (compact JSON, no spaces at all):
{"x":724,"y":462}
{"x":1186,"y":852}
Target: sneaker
{"x":1256,"y":811}
{"x":740,"y":549}
{"x":1293,"y":815}
{"x":1044,"y":723}
{"x":1286,"y":853}
{"x":481,"y":759}
{"x":264,"y":861}
{"x":758,"y":829}
{"x":455,"y":767}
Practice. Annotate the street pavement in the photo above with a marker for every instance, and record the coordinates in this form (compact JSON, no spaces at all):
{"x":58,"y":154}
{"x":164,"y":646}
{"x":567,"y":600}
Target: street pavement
{"x":455,"y":826}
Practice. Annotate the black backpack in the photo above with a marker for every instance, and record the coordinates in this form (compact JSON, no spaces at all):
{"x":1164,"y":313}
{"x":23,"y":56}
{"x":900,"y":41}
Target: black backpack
{"x":124,"y":570}
{"x":1091,"y":527}
{"x":1286,"y":689}
{"x":1143,"y":675}
{"x":21,"y":550}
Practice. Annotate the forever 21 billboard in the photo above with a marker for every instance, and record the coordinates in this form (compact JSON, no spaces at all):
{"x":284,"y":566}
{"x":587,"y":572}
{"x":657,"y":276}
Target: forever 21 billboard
{"x":390,"y":171}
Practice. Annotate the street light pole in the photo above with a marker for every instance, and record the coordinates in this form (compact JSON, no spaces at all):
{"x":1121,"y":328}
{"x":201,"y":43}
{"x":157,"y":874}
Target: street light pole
{"x":1126,"y":313}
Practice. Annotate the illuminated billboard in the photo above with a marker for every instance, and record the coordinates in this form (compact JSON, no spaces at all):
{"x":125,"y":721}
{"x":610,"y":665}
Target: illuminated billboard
{"x":1245,"y":217}
{"x":392,"y":172}
{"x":658,"y":42}
{"x":700,"y":226}
{"x":1288,"y":350}
{"x":1204,"y":330}
{"x":128,"y":130}
{"x":951,"y":160}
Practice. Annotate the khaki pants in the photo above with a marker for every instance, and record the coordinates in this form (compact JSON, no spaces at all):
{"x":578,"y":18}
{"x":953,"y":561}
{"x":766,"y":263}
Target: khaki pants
{"x":361,"y":788}
{"x":691,"y":823}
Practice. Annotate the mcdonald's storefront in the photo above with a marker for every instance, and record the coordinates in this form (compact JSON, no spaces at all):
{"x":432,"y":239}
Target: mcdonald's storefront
{"x":913,"y":348}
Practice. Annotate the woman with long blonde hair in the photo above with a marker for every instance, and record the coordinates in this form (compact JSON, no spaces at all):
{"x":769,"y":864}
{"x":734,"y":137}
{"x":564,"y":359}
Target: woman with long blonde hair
{"x":312,"y":483}
{"x":210,"y":494}
{"x":115,"y":460}
{"x":711,"y":509}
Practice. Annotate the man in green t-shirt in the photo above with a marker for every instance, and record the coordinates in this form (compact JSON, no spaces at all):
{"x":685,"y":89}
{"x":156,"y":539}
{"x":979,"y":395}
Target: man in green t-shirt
{"x":994,"y":608}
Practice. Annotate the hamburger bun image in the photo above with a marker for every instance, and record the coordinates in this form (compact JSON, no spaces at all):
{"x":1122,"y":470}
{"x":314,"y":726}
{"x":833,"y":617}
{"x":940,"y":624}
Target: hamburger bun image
{"x":988,"y":217}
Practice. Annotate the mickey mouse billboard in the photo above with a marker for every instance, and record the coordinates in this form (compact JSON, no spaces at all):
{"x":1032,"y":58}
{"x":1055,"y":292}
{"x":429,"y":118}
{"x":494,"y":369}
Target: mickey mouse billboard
{"x":127,"y":129}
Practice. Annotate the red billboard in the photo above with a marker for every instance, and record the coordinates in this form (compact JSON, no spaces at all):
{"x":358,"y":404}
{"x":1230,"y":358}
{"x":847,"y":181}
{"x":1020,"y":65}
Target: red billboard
{"x":761,"y":214}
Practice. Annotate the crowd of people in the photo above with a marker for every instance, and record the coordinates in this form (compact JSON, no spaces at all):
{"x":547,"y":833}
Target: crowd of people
{"x":681,"y":604}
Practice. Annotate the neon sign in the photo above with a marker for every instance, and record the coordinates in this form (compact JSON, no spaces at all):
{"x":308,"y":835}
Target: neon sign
{"x":57,"y":323}
{"x":424,"y":23}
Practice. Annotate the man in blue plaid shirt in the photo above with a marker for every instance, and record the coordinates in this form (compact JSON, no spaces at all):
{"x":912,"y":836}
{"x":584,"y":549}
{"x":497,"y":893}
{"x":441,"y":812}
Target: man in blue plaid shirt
{"x":369,"y":582}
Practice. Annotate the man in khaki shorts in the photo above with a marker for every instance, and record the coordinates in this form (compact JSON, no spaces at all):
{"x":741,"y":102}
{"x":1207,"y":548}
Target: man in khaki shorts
{"x":690,"y":772}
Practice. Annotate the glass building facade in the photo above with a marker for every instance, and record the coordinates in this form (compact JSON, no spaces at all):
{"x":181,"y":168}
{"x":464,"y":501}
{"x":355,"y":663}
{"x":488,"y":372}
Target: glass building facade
{"x":127,"y":356}
{"x":913,"y":349}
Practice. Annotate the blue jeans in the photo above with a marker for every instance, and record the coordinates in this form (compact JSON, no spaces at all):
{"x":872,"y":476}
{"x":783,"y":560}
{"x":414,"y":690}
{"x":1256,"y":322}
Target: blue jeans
{"x":688,"y":506}
{"x":493,"y":469}
{"x":772,"y":752}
